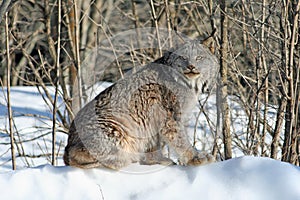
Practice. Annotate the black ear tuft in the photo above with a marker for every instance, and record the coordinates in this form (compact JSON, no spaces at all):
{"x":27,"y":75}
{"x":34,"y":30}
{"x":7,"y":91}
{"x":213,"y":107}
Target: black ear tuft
{"x":164,"y":59}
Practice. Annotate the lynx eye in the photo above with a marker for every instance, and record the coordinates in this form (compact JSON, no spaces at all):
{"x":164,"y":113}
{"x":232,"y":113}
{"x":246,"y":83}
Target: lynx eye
{"x":199,"y":58}
{"x":184,"y":57}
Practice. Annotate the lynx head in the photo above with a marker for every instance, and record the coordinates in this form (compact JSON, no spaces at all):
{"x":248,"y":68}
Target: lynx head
{"x":197,"y":64}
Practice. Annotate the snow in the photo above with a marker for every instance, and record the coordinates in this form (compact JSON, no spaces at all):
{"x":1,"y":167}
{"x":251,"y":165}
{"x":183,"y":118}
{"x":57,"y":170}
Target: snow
{"x":239,"y":178}
{"x":32,"y":119}
{"x":244,"y":178}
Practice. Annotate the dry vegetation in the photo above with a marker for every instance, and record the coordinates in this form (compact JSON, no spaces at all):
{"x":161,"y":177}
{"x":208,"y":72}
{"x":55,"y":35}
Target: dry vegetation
{"x":43,"y":43}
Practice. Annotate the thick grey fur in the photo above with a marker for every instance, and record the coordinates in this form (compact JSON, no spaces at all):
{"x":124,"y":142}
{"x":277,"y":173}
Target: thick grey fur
{"x":129,"y":121}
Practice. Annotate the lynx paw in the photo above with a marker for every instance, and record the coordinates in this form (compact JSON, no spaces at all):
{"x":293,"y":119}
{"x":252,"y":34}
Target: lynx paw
{"x":165,"y":162}
{"x":201,"y":159}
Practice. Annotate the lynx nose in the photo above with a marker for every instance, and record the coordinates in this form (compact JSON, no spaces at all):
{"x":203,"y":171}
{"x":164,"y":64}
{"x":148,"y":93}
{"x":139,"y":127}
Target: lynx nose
{"x":191,"y":71}
{"x":191,"y":67}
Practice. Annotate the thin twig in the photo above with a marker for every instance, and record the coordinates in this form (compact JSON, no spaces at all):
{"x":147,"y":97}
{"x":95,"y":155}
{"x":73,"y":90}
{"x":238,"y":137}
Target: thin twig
{"x":77,"y":49}
{"x":156,"y":27}
{"x":102,"y":196}
{"x":10,"y":115}
{"x":167,"y":10}
{"x":56,"y":86}
{"x":4,"y":8}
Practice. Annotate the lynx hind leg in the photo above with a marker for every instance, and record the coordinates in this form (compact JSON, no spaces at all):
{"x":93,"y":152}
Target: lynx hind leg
{"x":155,"y":157}
{"x":80,"y":157}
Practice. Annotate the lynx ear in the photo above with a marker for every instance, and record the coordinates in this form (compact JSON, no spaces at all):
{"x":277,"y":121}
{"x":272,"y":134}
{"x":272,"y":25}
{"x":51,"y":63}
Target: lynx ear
{"x":209,"y":42}
{"x":165,"y":58}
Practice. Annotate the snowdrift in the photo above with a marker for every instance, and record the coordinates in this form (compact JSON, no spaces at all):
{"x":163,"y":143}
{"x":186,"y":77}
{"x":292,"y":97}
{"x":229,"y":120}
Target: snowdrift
{"x":240,"y":178}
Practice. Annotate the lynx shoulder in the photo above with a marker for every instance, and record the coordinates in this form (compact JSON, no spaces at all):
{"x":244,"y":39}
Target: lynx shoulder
{"x":129,"y":121}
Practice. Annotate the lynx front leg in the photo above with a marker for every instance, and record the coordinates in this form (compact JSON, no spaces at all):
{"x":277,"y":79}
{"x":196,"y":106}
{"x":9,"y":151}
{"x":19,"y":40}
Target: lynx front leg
{"x":177,"y":139}
{"x":201,"y":159}
{"x":155,"y":157}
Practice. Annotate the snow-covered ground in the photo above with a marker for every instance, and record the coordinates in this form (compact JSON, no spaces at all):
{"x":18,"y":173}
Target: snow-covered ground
{"x":32,"y":128}
{"x":245,"y":178}
{"x":239,"y":178}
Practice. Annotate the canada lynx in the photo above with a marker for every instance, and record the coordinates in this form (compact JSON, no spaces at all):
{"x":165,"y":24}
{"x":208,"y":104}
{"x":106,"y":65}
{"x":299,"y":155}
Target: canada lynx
{"x":129,"y":121}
